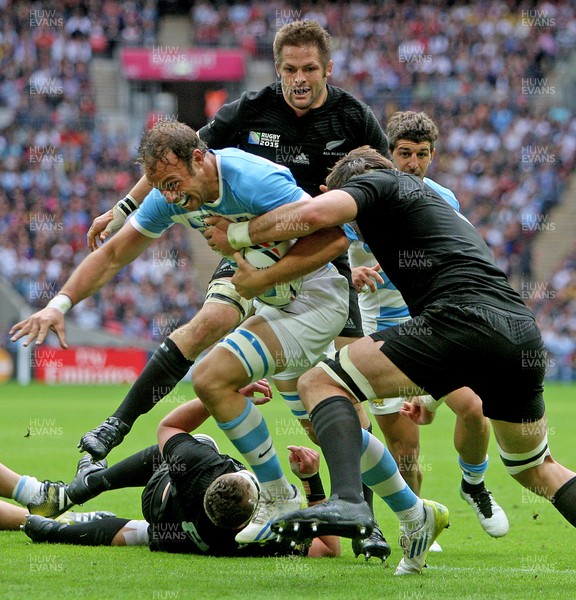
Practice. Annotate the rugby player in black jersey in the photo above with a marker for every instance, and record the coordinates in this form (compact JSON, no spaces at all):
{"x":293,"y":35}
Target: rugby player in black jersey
{"x":469,"y":328}
{"x":195,"y":498}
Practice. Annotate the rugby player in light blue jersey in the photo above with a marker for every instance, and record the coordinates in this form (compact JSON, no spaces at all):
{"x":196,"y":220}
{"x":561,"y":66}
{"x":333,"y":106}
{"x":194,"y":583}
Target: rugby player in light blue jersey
{"x":192,"y":183}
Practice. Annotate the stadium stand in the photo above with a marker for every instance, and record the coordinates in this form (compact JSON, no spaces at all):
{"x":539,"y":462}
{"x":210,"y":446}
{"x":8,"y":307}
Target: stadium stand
{"x":62,"y":167}
{"x":486,"y":72}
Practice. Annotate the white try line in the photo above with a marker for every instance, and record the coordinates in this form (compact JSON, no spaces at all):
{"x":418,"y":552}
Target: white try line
{"x":544,"y":570}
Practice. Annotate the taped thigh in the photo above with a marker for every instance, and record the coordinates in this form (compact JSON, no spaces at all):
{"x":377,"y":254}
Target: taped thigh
{"x":341,"y":369}
{"x":251,"y":351}
{"x":385,"y":406}
{"x":516,"y":463}
{"x":222,"y":291}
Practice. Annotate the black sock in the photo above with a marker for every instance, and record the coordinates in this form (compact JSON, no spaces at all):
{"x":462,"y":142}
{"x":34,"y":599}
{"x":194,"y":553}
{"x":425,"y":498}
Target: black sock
{"x":564,"y":501}
{"x":94,"y":533}
{"x":472,"y":488}
{"x":134,"y":471}
{"x":367,"y":491}
{"x":162,"y":373}
{"x":339,"y":434}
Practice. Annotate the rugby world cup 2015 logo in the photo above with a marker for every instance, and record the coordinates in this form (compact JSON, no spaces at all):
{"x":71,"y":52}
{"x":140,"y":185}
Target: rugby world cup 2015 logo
{"x":261,"y":138}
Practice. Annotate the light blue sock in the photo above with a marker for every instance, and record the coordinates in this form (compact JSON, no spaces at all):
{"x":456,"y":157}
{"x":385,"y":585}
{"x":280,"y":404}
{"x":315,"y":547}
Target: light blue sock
{"x":249,"y":434}
{"x":473,"y":474}
{"x":26,"y":489}
{"x":380,"y":472}
{"x":294,"y":403}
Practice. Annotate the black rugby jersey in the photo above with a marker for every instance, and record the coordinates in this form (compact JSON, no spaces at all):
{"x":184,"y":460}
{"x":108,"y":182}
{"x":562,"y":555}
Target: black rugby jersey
{"x":178,"y":523}
{"x":263,"y":123}
{"x":430,"y":252}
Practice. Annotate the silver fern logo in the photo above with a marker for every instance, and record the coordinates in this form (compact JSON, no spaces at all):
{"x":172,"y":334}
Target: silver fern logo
{"x":334,"y":144}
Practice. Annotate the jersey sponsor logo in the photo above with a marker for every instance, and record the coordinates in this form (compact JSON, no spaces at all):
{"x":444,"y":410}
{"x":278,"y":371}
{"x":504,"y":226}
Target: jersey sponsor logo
{"x":334,"y":144}
{"x":272,"y":140}
{"x":301,"y":159}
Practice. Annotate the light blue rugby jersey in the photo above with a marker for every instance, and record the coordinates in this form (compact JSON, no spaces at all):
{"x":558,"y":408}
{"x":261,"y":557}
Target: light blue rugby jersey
{"x":249,"y":186}
{"x":446,"y":193}
{"x":391,"y":311}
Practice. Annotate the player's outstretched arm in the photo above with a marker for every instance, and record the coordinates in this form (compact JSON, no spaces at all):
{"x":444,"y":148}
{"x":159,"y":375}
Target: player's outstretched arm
{"x":110,"y":222}
{"x":91,"y":274}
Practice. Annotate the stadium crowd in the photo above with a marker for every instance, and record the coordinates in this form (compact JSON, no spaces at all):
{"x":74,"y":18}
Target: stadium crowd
{"x":62,"y":166}
{"x":482,"y":71}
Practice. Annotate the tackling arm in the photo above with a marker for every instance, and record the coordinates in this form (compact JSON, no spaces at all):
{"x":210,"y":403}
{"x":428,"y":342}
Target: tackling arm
{"x":302,"y":218}
{"x":286,"y":222}
{"x":305,"y":256}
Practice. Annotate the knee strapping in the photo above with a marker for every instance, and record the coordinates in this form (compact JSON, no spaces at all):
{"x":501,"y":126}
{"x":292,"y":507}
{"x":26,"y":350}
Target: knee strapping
{"x":137,"y":534}
{"x":339,"y":367}
{"x":223,"y":292}
{"x":251,"y":351}
{"x":516,"y":463}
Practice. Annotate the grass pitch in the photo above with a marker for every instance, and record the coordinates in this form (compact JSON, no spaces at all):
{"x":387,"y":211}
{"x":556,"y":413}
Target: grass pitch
{"x":41,"y":426}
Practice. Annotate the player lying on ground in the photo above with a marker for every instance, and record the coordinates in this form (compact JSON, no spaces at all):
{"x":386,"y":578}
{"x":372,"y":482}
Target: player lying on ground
{"x":195,"y":498}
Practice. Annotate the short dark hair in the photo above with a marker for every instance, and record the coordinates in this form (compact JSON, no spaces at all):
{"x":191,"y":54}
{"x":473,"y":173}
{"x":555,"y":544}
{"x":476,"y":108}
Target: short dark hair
{"x":416,"y":127}
{"x":303,"y":33}
{"x":166,"y":137}
{"x":228,"y":501}
{"x":356,"y":162}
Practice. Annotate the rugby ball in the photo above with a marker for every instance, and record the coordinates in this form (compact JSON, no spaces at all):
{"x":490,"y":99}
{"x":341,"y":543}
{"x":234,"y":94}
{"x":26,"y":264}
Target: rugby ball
{"x":264,"y":256}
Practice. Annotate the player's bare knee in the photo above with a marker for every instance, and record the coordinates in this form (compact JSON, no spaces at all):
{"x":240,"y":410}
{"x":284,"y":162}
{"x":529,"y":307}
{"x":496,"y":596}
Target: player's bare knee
{"x":209,"y":325}
{"x":207,"y":382}
{"x":472,"y":416}
{"x":307,"y":382}
{"x":467,"y":406}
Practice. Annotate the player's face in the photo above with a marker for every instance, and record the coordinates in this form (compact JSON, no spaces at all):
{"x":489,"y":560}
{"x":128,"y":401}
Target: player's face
{"x":413,"y":158}
{"x":180,"y":185}
{"x":303,"y":78}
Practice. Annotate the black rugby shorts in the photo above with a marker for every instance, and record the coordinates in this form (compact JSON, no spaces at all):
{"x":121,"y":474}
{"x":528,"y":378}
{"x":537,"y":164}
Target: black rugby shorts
{"x":497,"y":353}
